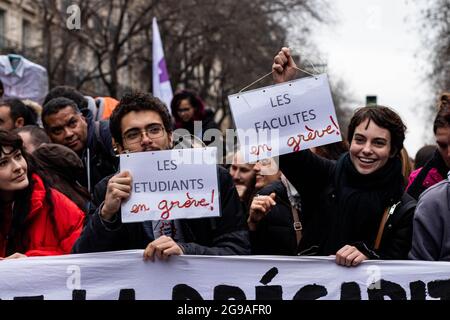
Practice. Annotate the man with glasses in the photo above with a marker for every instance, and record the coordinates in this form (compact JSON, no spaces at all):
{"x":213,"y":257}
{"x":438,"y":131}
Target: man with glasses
{"x":142,"y":123}
{"x":91,"y":140}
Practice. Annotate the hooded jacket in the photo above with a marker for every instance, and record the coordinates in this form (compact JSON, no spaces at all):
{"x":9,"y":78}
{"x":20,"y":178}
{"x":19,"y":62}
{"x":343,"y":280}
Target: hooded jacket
{"x":98,"y":157}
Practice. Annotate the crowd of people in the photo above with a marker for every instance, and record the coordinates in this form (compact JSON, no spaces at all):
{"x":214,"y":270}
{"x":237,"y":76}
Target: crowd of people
{"x":61,"y":189}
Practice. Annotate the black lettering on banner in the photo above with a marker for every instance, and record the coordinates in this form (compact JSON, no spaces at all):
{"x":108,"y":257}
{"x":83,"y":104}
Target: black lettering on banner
{"x":311,"y":292}
{"x":418,"y":291}
{"x":185,"y":292}
{"x":79,"y":295}
{"x":127,"y":294}
{"x":269,"y":292}
{"x":224,"y":292}
{"x":350,"y":291}
{"x":387,"y":288}
{"x":439,"y":289}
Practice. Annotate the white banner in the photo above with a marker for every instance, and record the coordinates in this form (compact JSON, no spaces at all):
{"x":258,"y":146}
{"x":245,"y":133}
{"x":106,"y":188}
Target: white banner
{"x":285,"y":118}
{"x":162,"y":88}
{"x":171,"y":184}
{"x":125,"y":275}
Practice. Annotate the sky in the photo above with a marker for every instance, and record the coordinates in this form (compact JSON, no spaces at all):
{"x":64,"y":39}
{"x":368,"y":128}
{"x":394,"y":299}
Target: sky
{"x":375,"y":47}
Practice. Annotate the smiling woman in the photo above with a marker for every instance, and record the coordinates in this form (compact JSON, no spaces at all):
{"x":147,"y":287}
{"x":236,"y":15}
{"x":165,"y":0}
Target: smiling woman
{"x":35,"y":220}
{"x":355,"y":207}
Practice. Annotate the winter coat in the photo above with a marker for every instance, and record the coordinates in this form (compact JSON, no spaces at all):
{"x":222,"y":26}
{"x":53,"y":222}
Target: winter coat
{"x":431,"y":227}
{"x":225,"y":235}
{"x":98,"y":155}
{"x":275,"y":234}
{"x":340,"y":206}
{"x":42,"y":237}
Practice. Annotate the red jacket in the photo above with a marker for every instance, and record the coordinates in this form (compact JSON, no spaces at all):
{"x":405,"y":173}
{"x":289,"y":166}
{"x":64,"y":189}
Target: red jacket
{"x":40,"y":231}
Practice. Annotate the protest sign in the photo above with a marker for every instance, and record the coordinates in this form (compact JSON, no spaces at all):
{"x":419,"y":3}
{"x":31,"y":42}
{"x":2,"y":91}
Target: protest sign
{"x":171,"y":184}
{"x":285,"y":118}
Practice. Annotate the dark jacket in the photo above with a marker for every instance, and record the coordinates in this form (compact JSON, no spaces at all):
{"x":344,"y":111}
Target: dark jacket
{"x":206,"y":123}
{"x":99,"y":155}
{"x":431,"y":236}
{"x":328,"y":224}
{"x":275,"y":234}
{"x":225,"y":235}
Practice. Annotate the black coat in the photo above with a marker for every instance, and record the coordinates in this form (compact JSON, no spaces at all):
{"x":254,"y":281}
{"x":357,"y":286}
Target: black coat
{"x":225,"y":235}
{"x":98,"y":155}
{"x":319,"y":182}
{"x":275,"y":234}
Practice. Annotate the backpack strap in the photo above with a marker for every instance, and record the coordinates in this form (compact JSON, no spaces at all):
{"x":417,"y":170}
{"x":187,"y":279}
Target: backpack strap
{"x":297,"y":224}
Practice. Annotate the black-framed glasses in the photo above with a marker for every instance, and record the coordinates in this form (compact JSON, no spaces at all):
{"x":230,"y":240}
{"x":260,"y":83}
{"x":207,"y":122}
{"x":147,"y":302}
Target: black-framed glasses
{"x":153,"y":131}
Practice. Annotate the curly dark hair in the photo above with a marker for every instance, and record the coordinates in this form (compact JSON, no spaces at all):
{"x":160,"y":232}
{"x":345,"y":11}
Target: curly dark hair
{"x":383,"y":117}
{"x":69,"y":93}
{"x":19,"y":109}
{"x":441,"y":119}
{"x":137,"y":101}
{"x":195,"y":101}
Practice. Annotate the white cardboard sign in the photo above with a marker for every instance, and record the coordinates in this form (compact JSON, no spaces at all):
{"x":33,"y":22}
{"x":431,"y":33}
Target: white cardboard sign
{"x":171,"y":184}
{"x":285,"y":118}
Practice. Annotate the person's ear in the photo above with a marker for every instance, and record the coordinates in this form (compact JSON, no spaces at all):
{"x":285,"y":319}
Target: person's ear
{"x":170,"y":137}
{"x":19,"y":123}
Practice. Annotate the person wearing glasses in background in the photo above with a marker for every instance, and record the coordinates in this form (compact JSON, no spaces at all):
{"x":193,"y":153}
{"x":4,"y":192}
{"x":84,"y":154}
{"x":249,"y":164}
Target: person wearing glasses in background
{"x":90,"y":140}
{"x":142,"y":123}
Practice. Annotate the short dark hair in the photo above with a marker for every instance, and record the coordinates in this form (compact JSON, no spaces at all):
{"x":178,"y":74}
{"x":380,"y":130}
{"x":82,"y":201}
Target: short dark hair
{"x":54,"y":105}
{"x":137,"y":101}
{"x":69,"y":93}
{"x":37,"y":134}
{"x":383,"y":117}
{"x":424,"y":155}
{"x":441,"y":120}
{"x":19,"y":109}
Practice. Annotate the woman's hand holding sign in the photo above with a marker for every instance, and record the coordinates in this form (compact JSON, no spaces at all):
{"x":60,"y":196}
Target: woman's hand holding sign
{"x":284,"y":67}
{"x":349,"y":256}
{"x":119,"y":189}
{"x":260,"y":206}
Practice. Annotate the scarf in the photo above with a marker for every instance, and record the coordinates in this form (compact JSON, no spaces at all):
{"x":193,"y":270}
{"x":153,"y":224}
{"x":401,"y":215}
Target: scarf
{"x":362,"y":200}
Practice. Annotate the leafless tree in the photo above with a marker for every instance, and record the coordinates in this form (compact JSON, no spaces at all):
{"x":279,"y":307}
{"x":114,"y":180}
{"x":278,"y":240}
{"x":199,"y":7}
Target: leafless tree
{"x":214,"y":47}
{"x":435,"y":29}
